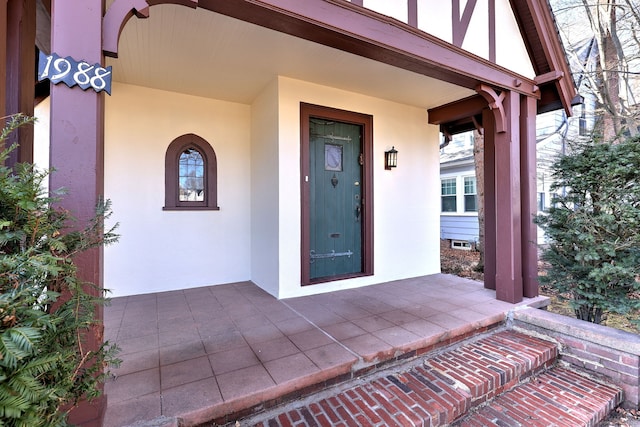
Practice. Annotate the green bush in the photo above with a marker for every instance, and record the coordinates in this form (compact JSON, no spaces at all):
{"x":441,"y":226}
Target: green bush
{"x":594,"y":229}
{"x":44,"y":367}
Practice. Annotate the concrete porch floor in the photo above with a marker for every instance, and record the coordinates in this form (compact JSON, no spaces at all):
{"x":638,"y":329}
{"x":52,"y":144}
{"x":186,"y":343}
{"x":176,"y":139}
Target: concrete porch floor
{"x":201,"y":353}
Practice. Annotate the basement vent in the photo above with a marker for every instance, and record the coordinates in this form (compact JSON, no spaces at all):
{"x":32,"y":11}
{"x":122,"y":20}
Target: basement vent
{"x":460,"y":244}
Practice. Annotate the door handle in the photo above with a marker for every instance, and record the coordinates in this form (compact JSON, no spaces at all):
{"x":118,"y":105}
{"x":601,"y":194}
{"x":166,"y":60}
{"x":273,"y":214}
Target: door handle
{"x":358,"y":212}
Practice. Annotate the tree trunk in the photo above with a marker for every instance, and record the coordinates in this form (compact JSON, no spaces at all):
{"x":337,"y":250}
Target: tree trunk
{"x":609,"y":63}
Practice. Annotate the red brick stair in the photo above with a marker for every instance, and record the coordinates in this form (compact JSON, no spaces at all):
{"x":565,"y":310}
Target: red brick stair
{"x":558,"y":397}
{"x":503,"y":379}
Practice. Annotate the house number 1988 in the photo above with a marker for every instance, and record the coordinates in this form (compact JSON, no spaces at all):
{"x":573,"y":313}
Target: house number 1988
{"x":72,"y":72}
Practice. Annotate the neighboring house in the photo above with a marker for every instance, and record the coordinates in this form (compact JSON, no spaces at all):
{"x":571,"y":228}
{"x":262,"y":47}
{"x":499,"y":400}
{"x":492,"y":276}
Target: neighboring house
{"x":458,"y":189}
{"x":554,"y":130}
{"x":245,"y":140}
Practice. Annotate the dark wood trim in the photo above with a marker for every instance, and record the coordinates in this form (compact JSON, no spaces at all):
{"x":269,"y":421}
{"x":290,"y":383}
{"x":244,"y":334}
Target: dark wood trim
{"x":495,"y":101}
{"x":460,"y":24}
{"x":77,"y":153}
{"x":546,"y":52}
{"x":351,"y":28}
{"x":462,"y":109}
{"x":20,"y":74}
{"x":492,"y":30}
{"x":490,"y":226}
{"x":412,"y":11}
{"x":551,"y":76}
{"x":528,"y":197}
{"x":366,"y":121}
{"x":171,"y":199}
{"x":4,"y":29}
{"x":190,"y":208}
{"x":507,"y":204}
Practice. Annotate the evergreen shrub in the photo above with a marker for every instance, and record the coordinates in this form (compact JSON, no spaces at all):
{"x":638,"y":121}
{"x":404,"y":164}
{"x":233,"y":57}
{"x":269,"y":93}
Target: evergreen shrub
{"x":593,"y":229}
{"x":46,"y":311}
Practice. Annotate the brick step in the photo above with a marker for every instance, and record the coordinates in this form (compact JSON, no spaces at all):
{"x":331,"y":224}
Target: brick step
{"x":558,"y":397}
{"x":438,"y":391}
{"x":488,"y":367}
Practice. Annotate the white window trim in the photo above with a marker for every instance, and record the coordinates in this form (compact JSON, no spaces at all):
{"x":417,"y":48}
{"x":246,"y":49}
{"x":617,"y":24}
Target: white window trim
{"x":465,"y":194}
{"x":442,"y":178}
{"x":459,"y":195}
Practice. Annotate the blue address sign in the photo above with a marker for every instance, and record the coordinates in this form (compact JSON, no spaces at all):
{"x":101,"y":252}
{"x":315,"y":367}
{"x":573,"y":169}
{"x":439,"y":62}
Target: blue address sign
{"x":72,"y":72}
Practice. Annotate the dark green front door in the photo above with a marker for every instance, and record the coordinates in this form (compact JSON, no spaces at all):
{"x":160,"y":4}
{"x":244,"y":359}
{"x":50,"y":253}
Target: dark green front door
{"x":335,"y":199}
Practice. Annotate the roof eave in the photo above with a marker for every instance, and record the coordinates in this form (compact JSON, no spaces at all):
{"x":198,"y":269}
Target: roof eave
{"x":538,"y":29}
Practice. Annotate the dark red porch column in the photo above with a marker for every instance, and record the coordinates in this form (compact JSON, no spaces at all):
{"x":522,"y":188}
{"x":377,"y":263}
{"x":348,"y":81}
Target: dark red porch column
{"x":17,"y":54}
{"x":528,"y":196}
{"x":4,"y":27}
{"x":489,"y":199}
{"x":508,"y":206}
{"x":77,"y":145}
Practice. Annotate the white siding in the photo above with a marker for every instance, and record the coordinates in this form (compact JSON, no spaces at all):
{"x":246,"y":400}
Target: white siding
{"x":456,"y":227}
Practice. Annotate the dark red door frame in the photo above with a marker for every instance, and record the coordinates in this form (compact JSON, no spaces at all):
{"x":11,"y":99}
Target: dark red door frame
{"x":366,"y":121}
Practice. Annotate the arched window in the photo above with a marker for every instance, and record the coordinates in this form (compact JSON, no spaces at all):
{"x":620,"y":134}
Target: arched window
{"x":190,"y":175}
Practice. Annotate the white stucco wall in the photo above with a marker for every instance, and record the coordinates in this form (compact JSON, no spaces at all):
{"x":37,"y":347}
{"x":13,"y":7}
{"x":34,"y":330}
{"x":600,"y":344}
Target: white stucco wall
{"x":406,"y":216}
{"x":265,"y":162}
{"x":163,"y":250}
{"x":435,"y":17}
{"x":41,"y":134}
{"x":256,"y":235}
{"x":511,"y":52}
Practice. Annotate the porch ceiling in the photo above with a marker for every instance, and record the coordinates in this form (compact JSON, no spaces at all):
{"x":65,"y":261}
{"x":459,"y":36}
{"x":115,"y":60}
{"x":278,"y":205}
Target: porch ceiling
{"x":202,"y":53}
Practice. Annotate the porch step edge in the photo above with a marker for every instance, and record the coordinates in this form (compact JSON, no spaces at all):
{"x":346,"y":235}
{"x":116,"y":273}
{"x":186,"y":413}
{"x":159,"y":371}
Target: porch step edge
{"x":249,"y":406}
{"x":425,"y":392}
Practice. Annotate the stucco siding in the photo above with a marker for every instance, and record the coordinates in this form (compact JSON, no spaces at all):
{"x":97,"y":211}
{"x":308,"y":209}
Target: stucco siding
{"x":165,"y":250}
{"x":406,"y":221}
{"x":265,"y":224}
{"x":256,"y":234}
{"x":41,"y":135}
{"x":436,"y":18}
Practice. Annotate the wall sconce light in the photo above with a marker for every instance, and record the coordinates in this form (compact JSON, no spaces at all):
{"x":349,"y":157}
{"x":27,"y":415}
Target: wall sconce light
{"x":390,"y":158}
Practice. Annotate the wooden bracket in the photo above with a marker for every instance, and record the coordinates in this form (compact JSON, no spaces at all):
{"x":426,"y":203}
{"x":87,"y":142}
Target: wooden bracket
{"x":551,"y":76}
{"x":119,"y":14}
{"x":478,"y":126}
{"x":446,"y":134}
{"x":495,"y":105}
